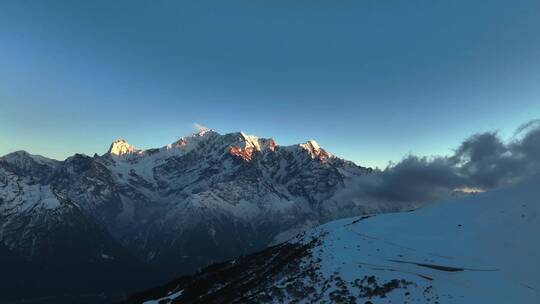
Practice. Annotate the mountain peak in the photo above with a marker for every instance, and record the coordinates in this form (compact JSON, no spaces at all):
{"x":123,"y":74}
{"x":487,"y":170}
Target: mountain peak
{"x":201,"y":131}
{"x":313,"y":144}
{"x":21,"y":155}
{"x":314,"y":150}
{"x":251,"y":141}
{"x":121,"y":147}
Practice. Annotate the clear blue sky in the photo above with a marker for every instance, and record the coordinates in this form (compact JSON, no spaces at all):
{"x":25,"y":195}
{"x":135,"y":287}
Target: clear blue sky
{"x":369,"y":80}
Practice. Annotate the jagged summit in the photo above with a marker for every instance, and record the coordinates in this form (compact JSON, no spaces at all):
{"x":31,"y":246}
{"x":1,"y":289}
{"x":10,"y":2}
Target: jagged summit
{"x":203,"y":130}
{"x":247,"y":145}
{"x":314,"y":145}
{"x":315,"y":150}
{"x":238,"y":144}
{"x":251,"y":141}
{"x":121,"y":147}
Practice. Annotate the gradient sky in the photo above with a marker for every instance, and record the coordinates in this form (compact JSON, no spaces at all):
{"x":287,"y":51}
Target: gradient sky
{"x":369,"y":80}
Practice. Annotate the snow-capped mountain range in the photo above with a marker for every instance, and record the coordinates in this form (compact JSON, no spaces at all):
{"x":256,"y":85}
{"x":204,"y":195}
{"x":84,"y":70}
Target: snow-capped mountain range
{"x":482,"y":248}
{"x":204,"y":198}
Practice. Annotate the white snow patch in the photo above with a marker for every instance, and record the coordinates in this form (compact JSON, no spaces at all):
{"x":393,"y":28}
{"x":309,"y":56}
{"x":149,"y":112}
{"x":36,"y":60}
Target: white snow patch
{"x":170,"y":297}
{"x":106,"y":256}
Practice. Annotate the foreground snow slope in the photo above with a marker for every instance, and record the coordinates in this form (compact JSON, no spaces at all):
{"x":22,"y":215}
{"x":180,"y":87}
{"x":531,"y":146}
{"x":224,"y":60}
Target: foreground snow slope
{"x":478,"y":249}
{"x":489,"y":244}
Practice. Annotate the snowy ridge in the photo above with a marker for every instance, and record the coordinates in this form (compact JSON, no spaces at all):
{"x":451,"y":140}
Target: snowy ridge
{"x":477,"y":249}
{"x":242,"y":141}
{"x":23,"y":158}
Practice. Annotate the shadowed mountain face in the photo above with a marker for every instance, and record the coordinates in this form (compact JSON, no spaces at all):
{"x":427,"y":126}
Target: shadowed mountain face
{"x":168,"y":211}
{"x":478,"y":249}
{"x":66,"y":252}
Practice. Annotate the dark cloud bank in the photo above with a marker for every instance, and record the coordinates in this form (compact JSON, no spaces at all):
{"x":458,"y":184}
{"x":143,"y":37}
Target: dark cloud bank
{"x":482,"y":161}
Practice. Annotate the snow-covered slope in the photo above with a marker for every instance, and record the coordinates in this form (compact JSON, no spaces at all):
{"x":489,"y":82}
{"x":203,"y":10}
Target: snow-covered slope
{"x":483,"y":248}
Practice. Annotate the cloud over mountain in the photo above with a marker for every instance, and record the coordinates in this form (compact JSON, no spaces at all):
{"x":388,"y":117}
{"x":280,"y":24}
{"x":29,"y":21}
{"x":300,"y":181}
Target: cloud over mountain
{"x":482,"y":161}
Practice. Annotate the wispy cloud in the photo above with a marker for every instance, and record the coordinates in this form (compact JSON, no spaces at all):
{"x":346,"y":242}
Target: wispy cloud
{"x":199,"y":127}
